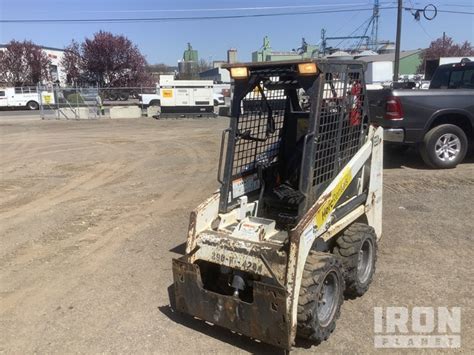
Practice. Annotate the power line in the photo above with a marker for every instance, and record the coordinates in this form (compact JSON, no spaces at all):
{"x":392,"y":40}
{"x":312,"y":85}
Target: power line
{"x":457,"y":12}
{"x":357,"y":29}
{"x":193,"y":18}
{"x":226,"y":8}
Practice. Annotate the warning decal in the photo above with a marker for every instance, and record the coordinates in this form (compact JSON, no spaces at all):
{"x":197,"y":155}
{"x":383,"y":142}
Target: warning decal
{"x":328,"y":206}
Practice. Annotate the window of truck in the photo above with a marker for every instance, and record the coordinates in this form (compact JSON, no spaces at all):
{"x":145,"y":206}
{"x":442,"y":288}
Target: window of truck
{"x":2,"y":93}
{"x":468,"y":79}
{"x":455,"y":79}
{"x":441,"y":78}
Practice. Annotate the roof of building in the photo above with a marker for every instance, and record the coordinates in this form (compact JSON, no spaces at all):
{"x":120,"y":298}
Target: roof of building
{"x":389,"y":57}
{"x":367,"y":52}
{"x":339,"y":54}
{"x":42,"y":47}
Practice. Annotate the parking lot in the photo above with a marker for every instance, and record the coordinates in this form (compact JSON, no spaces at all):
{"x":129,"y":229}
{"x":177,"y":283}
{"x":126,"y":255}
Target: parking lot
{"x":91,"y":213}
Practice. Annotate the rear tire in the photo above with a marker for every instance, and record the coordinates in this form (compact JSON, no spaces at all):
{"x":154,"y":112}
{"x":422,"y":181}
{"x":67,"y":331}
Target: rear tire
{"x":320,"y":298}
{"x":444,"y":146}
{"x":32,"y":105}
{"x":123,"y":96}
{"x":357,"y":250}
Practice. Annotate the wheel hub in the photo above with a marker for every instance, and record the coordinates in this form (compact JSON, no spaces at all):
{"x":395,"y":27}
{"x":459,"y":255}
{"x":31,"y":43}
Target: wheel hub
{"x":364,"y":265}
{"x":327,"y":302}
{"x":447,"y":147}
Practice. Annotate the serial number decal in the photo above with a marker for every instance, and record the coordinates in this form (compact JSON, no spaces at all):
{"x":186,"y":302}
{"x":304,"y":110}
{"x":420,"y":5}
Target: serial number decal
{"x":237,"y":261}
{"x":328,"y":206}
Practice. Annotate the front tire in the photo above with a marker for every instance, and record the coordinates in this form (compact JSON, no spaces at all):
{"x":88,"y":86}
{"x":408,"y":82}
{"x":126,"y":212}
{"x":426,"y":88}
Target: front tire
{"x":320,"y":298}
{"x":356,"y":247}
{"x":32,"y":105}
{"x":444,"y":146}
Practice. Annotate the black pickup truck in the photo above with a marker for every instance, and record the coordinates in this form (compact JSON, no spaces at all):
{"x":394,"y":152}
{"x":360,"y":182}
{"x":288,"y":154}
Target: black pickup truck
{"x":439,"y":121}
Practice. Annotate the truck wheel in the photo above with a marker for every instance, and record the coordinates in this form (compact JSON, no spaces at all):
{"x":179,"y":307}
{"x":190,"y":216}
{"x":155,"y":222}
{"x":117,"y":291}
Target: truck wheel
{"x":320,"y":298}
{"x":113,"y":96}
{"x":32,"y":105}
{"x":123,"y":96}
{"x":155,"y":103}
{"x":444,"y":146}
{"x":357,"y":250}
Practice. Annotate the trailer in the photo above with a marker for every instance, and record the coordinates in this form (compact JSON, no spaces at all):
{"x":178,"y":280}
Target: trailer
{"x":180,"y":98}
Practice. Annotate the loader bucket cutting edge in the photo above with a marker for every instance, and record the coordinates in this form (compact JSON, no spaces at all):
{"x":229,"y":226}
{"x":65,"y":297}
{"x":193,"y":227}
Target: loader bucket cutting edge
{"x":265,"y":319}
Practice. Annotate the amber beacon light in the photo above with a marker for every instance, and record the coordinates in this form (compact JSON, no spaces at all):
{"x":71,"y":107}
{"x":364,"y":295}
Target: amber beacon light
{"x":239,"y":72}
{"x":307,"y":68}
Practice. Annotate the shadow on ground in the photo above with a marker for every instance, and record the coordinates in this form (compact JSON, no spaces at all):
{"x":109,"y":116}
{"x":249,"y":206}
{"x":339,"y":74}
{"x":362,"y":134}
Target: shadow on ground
{"x":397,"y":157}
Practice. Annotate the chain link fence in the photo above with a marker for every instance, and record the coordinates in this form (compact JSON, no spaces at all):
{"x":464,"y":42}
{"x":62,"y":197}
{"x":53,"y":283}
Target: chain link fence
{"x":62,"y":102}
{"x":58,"y":102}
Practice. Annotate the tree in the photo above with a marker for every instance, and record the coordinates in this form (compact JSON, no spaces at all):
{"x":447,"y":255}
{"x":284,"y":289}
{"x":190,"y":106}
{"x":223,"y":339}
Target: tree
{"x":445,"y":47}
{"x":23,"y":63}
{"x":113,"y":60}
{"x":203,"y":66}
{"x":72,"y":62}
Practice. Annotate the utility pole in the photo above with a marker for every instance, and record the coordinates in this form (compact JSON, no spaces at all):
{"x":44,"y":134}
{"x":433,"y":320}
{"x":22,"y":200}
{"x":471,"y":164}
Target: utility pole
{"x":397,"y":43}
{"x":375,"y":25}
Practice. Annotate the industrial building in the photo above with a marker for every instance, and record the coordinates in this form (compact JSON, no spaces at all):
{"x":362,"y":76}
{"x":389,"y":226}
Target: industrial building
{"x":217,"y":74}
{"x":380,"y":66}
{"x":267,"y":54}
{"x":188,"y":65}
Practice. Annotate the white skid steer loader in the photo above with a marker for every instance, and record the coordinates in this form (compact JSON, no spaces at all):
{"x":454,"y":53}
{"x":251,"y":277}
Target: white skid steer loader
{"x":294,"y":226}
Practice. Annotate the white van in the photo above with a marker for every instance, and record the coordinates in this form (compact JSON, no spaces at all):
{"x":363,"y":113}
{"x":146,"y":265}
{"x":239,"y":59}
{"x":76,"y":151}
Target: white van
{"x":24,"y":97}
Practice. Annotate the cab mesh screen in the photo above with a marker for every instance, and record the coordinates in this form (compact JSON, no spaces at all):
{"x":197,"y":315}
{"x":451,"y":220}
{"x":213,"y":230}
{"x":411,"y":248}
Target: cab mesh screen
{"x":259,"y":125}
{"x":339,"y":127}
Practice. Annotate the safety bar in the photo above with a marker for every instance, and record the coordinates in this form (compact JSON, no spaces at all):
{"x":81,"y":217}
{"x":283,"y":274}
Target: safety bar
{"x":221,"y":153}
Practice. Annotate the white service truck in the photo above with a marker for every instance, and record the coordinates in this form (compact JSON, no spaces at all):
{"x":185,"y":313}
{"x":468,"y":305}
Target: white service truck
{"x":27,"y":97}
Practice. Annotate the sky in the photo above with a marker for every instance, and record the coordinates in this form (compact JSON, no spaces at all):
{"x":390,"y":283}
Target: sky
{"x":164,"y":42}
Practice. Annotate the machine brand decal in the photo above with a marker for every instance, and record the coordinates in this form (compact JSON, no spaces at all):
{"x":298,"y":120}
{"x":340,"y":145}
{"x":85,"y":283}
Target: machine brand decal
{"x":167,"y":93}
{"x":328,"y":206}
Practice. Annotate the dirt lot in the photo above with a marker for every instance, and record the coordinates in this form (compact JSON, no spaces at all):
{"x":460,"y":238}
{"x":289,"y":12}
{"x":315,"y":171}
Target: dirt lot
{"x":92,"y":212}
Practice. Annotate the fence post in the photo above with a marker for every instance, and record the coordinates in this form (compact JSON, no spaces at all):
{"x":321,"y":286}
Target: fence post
{"x":56,"y":97}
{"x":141,"y":98}
{"x":38,"y":90}
{"x":78,"y":116}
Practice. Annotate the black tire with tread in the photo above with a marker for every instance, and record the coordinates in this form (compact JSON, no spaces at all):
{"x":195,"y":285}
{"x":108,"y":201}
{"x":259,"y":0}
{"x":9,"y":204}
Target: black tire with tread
{"x":347,"y":248}
{"x":428,"y":146}
{"x":32,"y":105}
{"x":317,"y":266}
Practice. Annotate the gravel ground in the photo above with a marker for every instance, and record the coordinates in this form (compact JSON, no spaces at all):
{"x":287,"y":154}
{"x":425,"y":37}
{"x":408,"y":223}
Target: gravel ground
{"x":91,"y":213}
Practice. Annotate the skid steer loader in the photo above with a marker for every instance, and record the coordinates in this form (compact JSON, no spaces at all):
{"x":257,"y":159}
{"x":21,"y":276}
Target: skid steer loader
{"x":294,"y":226}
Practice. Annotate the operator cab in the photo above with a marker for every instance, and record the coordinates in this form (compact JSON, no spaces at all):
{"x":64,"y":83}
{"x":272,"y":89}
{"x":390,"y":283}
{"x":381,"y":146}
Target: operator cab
{"x":271,"y":150}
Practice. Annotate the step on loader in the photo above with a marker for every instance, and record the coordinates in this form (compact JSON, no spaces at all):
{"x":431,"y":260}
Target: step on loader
{"x":293,"y":229}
